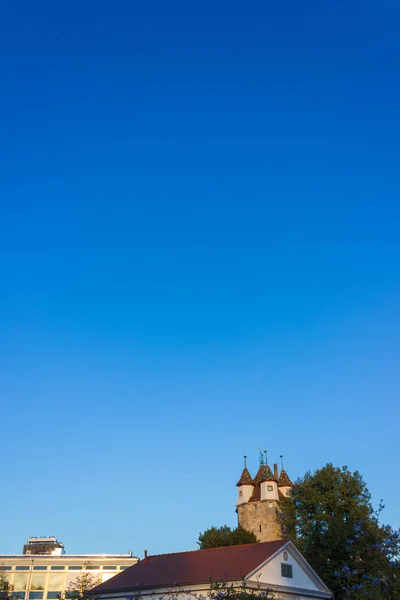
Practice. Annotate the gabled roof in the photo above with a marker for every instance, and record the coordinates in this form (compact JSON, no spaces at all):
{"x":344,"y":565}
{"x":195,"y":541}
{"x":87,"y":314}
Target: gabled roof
{"x":245,"y":478}
{"x":230,"y":563}
{"x":284,"y":479}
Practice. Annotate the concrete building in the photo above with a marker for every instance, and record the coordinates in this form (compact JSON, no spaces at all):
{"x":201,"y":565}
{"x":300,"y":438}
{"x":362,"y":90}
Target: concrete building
{"x":258,"y":500}
{"x":44,"y":571}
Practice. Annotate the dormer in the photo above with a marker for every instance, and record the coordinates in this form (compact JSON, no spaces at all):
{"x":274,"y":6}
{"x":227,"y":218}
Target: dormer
{"x":268,"y":485}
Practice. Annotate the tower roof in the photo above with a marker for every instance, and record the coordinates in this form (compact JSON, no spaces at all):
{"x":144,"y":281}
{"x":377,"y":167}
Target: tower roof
{"x":264,"y":474}
{"x":245,"y":478}
{"x":284,"y":479}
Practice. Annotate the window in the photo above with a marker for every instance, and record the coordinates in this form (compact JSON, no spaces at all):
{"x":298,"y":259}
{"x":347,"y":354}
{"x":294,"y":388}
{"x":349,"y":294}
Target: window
{"x":109,"y":568}
{"x":75,"y":567}
{"x":260,"y":528}
{"x":56,"y":582}
{"x":270,"y":505}
{"x":4,"y":568}
{"x":18,"y":595}
{"x":37,"y":582}
{"x":92,"y":567}
{"x":270,"y":488}
{"x":35,"y":595}
{"x":255,"y":507}
{"x":40,"y":568}
{"x":53,"y":595}
{"x":122,"y":567}
{"x":22,"y":568}
{"x":240,"y":493}
{"x":57,"y":568}
{"x":20,"y":581}
{"x":286,"y":570}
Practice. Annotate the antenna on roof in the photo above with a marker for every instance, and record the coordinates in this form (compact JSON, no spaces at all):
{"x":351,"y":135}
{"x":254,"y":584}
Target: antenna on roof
{"x":265,"y":454}
{"x":281,"y":457}
{"x":245,"y":461}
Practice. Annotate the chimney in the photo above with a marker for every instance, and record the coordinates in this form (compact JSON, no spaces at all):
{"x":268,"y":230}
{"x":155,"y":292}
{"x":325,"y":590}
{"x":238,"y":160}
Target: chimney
{"x":276,"y":476}
{"x":145,"y":554}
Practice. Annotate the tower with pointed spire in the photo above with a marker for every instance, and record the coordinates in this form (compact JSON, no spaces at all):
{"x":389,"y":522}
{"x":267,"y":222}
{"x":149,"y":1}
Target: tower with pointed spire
{"x":259,"y":498}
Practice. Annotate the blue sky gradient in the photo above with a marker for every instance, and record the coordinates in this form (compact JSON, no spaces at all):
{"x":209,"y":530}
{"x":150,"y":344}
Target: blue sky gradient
{"x":199,"y":257}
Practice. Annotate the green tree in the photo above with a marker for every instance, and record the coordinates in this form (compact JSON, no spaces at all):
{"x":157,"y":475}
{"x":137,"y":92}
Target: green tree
{"x":216,"y":537}
{"x":80,"y":588}
{"x":5,"y":587}
{"x":330,"y":518}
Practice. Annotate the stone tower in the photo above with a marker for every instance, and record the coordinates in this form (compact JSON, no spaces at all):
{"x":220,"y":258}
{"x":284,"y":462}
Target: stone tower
{"x":258,"y":500}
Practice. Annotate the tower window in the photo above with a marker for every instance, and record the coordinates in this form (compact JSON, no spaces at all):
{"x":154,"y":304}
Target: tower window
{"x":260,"y":528}
{"x":270,"y":488}
{"x":240,"y":493}
{"x":286,"y":570}
{"x":270,"y":505}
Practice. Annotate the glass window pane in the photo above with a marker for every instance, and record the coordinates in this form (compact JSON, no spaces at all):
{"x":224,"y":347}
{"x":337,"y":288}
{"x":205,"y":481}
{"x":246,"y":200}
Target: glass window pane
{"x":56,"y":582}
{"x":58,"y":568}
{"x":40,"y":568}
{"x":22,"y":568}
{"x":20,"y":581}
{"x":35,"y":595}
{"x":18,"y":595}
{"x":5,"y":568}
{"x":53,"y":595}
{"x":75,"y":567}
{"x":38,"y":581}
{"x":109,"y":568}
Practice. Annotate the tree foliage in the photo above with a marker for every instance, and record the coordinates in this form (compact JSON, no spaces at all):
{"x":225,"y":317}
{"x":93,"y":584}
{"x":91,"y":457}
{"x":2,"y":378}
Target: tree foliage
{"x":215,"y":537}
{"x":330,"y":518}
{"x":5,"y":587}
{"x":80,"y":588}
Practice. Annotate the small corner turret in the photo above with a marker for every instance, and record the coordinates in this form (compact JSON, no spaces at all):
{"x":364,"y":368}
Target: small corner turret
{"x":245,"y":485}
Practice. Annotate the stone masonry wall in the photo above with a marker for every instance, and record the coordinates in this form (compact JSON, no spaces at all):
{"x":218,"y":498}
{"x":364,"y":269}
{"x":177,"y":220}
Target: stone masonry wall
{"x":254,"y":516}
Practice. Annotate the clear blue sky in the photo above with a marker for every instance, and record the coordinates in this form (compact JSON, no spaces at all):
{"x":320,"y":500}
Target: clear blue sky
{"x":199,"y":257}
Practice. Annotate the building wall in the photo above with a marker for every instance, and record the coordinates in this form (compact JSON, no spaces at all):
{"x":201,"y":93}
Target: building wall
{"x":261,"y":518}
{"x":272,"y":572}
{"x":43,"y":577}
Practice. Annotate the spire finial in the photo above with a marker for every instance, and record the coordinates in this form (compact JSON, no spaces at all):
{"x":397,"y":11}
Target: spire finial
{"x":261,"y":457}
{"x":245,"y":461}
{"x":281,"y":457}
{"x":265,"y":455}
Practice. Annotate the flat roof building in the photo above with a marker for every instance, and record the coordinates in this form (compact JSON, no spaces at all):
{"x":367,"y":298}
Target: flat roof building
{"x":44,"y":571}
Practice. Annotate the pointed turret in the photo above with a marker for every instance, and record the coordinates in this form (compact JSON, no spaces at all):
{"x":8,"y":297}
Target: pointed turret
{"x":245,"y":485}
{"x":284,"y":482}
{"x":245,"y":478}
{"x":284,"y":479}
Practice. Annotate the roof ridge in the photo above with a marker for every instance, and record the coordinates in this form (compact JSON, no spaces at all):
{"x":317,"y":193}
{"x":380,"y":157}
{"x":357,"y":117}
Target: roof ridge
{"x":209,"y":549}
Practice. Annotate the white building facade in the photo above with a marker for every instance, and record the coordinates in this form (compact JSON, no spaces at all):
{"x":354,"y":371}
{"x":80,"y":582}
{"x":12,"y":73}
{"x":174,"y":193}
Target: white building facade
{"x":47,"y":575}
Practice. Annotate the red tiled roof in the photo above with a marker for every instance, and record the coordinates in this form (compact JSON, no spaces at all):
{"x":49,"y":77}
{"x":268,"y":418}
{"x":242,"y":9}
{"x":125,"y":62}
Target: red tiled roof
{"x":230,"y":563}
{"x":284,"y":479}
{"x":245,"y":478}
